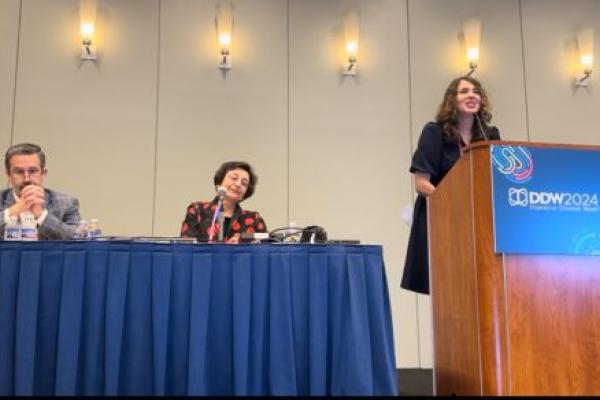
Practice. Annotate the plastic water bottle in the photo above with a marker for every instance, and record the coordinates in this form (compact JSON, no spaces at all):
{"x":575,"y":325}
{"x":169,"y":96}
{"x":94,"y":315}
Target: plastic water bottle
{"x":81,"y":230}
{"x":12,"y":229}
{"x":291,"y":233}
{"x":93,"y":229}
{"x":29,"y":229}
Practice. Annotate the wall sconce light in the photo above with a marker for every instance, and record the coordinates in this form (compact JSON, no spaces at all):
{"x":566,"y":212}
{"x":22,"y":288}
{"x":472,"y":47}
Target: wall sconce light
{"x":87,"y":12}
{"x":585,"y":43}
{"x":351,"y":51}
{"x":351,"y":36}
{"x":224,"y":24}
{"x":472,"y":35}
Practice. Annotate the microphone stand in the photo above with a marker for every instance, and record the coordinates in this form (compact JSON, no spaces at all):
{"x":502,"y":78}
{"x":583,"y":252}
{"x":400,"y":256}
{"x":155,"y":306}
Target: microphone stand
{"x":221,"y":222}
{"x":481,"y":127}
{"x":218,"y":214}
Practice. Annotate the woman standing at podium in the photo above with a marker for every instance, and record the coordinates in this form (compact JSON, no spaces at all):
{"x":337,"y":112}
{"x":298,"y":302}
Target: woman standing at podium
{"x":222,"y":219}
{"x":463,"y":118}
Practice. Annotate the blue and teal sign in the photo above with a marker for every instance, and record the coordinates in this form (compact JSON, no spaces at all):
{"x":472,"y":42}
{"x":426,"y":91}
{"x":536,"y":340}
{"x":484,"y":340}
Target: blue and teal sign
{"x":546,"y":200}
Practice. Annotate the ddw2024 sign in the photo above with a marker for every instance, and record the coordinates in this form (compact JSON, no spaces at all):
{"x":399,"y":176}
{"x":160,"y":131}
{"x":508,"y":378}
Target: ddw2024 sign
{"x":546,"y":200}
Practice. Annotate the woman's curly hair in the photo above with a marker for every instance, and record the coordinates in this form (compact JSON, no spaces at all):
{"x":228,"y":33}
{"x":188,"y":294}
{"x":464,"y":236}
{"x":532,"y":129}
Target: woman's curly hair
{"x":447,"y":115}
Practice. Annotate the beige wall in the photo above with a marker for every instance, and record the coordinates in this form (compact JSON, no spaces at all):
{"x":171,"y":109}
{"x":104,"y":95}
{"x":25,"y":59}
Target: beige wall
{"x":9,"y":26}
{"x":349,"y":141}
{"x":138,"y":134}
{"x":558,"y":112}
{"x":97,"y":122}
{"x":206,"y":116}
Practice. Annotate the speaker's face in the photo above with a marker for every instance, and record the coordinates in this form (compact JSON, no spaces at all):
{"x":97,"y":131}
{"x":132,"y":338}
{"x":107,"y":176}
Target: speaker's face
{"x":468,"y":98}
{"x":236,"y":183}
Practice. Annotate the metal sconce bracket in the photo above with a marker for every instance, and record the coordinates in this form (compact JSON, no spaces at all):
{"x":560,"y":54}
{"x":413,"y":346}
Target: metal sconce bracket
{"x":472,"y":68}
{"x":88,"y":50}
{"x":350,"y":67}
{"x":224,"y":60}
{"x":584,"y":79}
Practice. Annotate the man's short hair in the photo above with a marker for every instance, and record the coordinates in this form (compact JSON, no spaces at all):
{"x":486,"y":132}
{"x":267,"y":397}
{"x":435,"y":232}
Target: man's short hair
{"x":24,"y":149}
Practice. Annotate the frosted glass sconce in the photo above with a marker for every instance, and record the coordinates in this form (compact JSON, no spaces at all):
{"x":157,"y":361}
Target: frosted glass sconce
{"x":87,"y":12}
{"x":224,"y":23}
{"x":351,"y":37}
{"x":585,"y":43}
{"x":472,"y":35}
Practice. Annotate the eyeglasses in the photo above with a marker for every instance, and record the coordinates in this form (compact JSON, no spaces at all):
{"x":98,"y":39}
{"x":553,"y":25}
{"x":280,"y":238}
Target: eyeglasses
{"x":32,"y":171}
{"x":235,"y":177}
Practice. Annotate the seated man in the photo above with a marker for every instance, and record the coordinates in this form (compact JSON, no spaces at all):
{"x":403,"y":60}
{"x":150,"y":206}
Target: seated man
{"x":56,"y":214}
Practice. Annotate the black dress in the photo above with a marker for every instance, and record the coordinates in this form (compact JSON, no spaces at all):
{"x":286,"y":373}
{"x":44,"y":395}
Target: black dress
{"x":436,"y":154}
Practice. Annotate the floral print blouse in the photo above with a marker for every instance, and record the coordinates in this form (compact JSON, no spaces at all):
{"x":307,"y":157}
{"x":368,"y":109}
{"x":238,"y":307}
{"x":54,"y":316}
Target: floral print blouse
{"x":199,"y":216}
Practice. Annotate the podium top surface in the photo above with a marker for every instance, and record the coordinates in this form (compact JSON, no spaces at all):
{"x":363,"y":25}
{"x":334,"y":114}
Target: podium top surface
{"x":478,"y":145}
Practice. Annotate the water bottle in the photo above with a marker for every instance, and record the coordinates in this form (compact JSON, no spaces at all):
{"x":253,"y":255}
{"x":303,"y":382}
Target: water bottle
{"x":29,"y":229}
{"x":81,"y":230}
{"x":12,"y":229}
{"x":93,"y":229}
{"x":291,"y":234}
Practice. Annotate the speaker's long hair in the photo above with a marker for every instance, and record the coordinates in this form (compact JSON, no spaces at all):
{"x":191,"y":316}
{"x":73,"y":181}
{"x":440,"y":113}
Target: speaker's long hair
{"x":447,"y":114}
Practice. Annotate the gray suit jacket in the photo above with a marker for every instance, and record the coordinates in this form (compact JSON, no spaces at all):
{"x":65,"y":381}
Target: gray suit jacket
{"x":62,"y":218}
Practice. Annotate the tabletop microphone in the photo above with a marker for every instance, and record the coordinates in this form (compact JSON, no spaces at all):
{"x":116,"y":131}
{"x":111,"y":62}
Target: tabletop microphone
{"x":221,"y":193}
{"x":218,"y":214}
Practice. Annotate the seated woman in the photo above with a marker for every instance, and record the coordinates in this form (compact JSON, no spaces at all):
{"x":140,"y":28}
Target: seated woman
{"x":234,"y":181}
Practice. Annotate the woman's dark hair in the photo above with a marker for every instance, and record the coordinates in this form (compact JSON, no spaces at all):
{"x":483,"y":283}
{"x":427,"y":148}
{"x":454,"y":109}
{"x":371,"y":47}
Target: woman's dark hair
{"x":448,"y":110}
{"x":230,"y":166}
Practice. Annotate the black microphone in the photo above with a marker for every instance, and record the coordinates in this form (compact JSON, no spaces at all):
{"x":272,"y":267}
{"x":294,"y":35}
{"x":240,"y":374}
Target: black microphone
{"x":221,"y":193}
{"x":481,"y":127}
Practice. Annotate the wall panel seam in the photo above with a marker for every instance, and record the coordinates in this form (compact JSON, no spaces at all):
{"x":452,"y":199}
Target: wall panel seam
{"x":155,"y":178}
{"x":410,"y":138}
{"x":17,"y":51}
{"x":524,"y":69}
{"x":287,"y":212}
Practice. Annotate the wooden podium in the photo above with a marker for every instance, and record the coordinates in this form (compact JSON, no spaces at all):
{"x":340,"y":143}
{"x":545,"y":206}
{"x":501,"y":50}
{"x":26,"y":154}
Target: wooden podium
{"x":506,"y":324}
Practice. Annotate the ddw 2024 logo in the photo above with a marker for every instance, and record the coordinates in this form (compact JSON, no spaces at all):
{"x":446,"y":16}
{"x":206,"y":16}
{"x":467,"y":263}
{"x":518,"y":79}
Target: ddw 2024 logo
{"x":517,"y":197}
{"x":514,"y":162}
{"x":521,"y":197}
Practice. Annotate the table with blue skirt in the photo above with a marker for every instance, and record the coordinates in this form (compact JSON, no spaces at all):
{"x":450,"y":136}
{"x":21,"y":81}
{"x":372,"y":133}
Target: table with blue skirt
{"x":134,"y":318}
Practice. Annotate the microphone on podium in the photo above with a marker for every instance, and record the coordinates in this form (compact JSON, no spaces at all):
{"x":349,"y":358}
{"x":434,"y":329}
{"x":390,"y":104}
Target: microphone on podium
{"x":481,"y":129}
